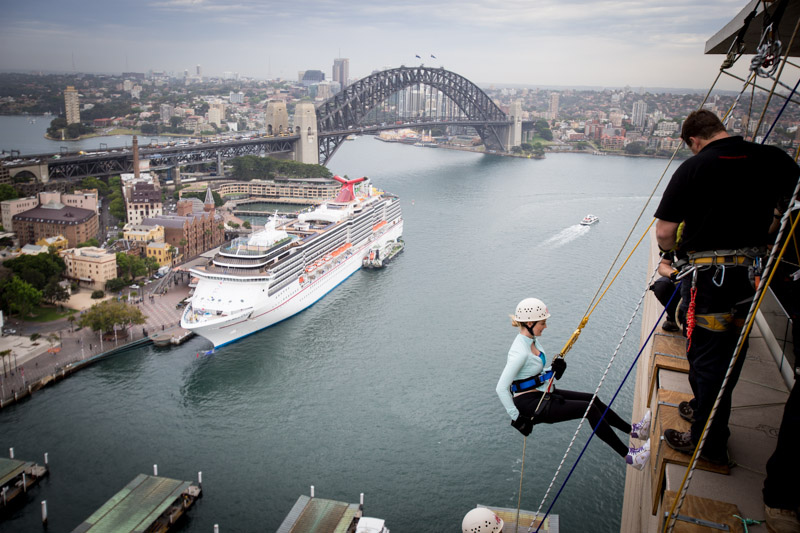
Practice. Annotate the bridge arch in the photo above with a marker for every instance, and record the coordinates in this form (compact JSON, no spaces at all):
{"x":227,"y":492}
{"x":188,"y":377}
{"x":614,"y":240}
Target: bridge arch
{"x":351,"y":106}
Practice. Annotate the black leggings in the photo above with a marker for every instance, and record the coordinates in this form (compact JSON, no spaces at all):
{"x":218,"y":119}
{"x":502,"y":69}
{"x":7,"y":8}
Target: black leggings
{"x":570,"y":405}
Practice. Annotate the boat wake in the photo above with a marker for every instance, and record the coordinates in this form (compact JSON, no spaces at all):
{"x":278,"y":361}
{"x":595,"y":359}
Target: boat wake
{"x":567,"y":235}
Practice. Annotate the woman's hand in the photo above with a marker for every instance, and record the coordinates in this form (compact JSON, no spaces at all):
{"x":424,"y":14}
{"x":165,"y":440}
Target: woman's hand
{"x":559,"y":366}
{"x":523,"y":424}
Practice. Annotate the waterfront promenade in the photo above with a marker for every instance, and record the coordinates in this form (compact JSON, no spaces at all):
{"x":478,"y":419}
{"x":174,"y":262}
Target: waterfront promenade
{"x":33,"y":364}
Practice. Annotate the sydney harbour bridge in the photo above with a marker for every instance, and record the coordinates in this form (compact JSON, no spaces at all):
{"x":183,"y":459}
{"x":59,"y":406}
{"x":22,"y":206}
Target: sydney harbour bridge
{"x":416,"y":97}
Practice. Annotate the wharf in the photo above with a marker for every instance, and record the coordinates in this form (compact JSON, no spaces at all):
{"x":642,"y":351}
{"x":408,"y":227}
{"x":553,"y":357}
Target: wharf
{"x":148,"y":503}
{"x":16,"y":477}
{"x":715,"y":493}
{"x":318,"y":515}
{"x":174,"y":336}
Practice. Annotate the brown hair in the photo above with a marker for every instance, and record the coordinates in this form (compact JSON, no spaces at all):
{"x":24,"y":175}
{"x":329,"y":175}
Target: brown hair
{"x":701,"y":123}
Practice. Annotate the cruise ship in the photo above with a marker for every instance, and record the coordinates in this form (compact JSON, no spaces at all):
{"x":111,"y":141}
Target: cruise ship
{"x":256,"y":281}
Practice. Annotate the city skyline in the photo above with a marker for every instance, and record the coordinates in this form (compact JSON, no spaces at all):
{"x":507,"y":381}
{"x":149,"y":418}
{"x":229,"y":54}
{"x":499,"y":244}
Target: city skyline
{"x":547,"y":43}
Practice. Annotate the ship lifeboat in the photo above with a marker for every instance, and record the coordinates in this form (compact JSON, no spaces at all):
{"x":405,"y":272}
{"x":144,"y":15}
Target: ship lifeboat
{"x":310,"y":268}
{"x":327,"y":258}
{"x":301,"y":279}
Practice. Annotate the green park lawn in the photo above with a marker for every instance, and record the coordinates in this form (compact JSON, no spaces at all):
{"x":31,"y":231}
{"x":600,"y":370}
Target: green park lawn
{"x":42,"y":313}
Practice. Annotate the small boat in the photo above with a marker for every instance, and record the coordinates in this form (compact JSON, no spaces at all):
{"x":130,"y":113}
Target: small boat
{"x":588,"y":220}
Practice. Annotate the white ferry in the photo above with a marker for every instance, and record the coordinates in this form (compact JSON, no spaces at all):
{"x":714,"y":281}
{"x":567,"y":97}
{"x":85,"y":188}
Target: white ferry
{"x":256,"y":281}
{"x":590,"y":219}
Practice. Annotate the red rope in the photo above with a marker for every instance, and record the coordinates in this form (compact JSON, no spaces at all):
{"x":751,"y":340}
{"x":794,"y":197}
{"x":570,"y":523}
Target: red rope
{"x":690,"y":319}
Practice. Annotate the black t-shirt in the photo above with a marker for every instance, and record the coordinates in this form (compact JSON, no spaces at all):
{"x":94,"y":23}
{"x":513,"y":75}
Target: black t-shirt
{"x":726,"y":194}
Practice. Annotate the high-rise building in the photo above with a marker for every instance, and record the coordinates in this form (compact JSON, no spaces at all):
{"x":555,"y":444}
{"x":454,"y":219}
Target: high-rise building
{"x":72,"y":105}
{"x":553,"y":111}
{"x":167,"y":112}
{"x":216,"y":113}
{"x":199,"y":71}
{"x":341,"y":70}
{"x":639,"y":118}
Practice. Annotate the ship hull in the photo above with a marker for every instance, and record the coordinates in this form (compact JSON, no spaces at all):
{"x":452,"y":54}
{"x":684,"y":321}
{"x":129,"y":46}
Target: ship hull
{"x":291,"y":300}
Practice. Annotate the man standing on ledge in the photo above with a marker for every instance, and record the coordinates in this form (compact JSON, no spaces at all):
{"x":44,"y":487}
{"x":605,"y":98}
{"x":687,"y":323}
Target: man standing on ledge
{"x":728,"y":195}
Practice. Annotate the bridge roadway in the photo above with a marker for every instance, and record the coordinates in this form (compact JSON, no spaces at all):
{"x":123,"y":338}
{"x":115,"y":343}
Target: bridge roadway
{"x":114,"y":161}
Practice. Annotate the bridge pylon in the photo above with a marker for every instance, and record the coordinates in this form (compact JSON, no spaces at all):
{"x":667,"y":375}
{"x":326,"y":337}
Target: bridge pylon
{"x":306,"y":149}
{"x":513,"y":132}
{"x":276,"y":118}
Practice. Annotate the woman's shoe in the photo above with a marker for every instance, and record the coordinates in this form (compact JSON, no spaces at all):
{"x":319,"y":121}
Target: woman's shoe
{"x":641,"y":429}
{"x":638,"y":457}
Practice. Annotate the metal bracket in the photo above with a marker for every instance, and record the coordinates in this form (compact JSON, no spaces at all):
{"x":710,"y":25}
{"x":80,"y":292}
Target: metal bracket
{"x":699,"y":522}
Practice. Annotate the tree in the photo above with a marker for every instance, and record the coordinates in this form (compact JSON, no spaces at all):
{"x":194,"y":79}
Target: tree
{"x":635,"y":148}
{"x":104,"y":316}
{"x":114,"y":285}
{"x":117,"y":208}
{"x":94,"y":183}
{"x":54,"y":292}
{"x":246,"y":224}
{"x":38,"y":269}
{"x":91,"y":242}
{"x":7,"y":192}
{"x":151,"y":264}
{"x":19,"y":296}
{"x":71,"y":320}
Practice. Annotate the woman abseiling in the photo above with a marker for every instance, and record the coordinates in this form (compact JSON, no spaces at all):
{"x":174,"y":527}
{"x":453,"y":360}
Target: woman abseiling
{"x":524,"y":381}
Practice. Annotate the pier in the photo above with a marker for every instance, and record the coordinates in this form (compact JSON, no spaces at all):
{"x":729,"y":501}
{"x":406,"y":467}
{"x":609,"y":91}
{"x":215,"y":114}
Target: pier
{"x":148,"y":503}
{"x":16,"y":477}
{"x":318,"y":515}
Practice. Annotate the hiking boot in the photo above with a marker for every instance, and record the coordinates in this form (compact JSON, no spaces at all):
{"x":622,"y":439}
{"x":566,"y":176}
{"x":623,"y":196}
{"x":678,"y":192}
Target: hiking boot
{"x":670,"y":326}
{"x":781,"y":520}
{"x":678,"y":441}
{"x":641,"y":429}
{"x":638,"y":457}
{"x":686,"y":411}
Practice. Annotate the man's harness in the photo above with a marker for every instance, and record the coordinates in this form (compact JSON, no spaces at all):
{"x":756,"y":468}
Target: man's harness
{"x":749,"y":257}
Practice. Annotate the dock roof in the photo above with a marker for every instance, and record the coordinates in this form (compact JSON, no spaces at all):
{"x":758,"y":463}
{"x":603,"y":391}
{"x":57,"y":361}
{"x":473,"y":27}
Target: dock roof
{"x":136,"y":506}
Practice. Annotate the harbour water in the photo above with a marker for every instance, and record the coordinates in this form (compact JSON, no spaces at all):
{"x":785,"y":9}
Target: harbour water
{"x":25,"y":134}
{"x":386,"y":385}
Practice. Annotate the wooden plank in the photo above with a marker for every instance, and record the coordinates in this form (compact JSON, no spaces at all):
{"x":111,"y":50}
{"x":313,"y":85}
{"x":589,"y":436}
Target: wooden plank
{"x":665,"y":361}
{"x":703,"y":509}
{"x":665,"y":417}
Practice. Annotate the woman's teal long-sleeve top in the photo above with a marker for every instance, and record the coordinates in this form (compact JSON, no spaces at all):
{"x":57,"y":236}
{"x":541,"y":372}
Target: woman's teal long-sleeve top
{"x":521,"y":364}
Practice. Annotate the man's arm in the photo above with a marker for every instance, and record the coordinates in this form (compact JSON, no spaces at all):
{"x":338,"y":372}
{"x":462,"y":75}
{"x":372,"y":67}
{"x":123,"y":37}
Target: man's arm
{"x":666,"y":234}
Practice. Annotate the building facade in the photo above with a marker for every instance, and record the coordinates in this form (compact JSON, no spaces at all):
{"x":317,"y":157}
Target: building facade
{"x":140,"y":233}
{"x":193,"y":230}
{"x":161,"y":252}
{"x":72,"y":105}
{"x":142,"y":197}
{"x":76,"y":224}
{"x":10,"y":208}
{"x":312,"y":189}
{"x":91,"y":266}
{"x":341,"y":71}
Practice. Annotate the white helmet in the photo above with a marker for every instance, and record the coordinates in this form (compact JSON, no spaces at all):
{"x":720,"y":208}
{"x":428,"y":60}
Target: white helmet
{"x":531,"y":310}
{"x":481,"y":520}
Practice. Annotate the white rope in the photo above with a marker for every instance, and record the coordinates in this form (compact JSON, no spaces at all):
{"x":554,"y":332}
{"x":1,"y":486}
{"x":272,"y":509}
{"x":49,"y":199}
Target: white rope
{"x":597,"y":390}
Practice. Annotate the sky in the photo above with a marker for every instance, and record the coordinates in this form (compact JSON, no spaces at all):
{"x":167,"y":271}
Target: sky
{"x":640,"y":43}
